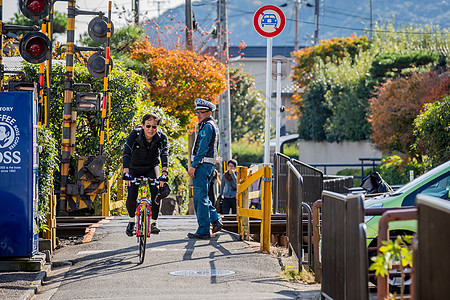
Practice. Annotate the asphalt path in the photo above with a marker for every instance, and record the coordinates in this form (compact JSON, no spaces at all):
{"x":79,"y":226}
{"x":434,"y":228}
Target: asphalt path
{"x":175,"y":267}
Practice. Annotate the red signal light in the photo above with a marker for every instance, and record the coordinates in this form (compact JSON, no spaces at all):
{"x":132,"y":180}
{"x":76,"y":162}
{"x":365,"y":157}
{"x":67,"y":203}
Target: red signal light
{"x":34,"y":47}
{"x":34,"y":9}
{"x":35,"y":6}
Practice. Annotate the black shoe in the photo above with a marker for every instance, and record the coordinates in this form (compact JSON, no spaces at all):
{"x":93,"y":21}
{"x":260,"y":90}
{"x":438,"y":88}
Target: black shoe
{"x":154,"y":229}
{"x":130,"y":229}
{"x":217,"y":226}
{"x":198,"y":236}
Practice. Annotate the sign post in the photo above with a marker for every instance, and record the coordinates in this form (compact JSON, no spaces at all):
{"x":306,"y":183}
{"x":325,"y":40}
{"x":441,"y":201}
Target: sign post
{"x":283,"y":67}
{"x":269,"y":21}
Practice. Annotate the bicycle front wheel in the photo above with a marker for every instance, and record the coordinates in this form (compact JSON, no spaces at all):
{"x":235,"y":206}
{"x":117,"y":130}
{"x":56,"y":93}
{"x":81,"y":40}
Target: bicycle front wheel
{"x":143,"y":224}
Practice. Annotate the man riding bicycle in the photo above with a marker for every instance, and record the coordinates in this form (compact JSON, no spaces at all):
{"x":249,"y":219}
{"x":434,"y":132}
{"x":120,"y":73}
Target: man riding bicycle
{"x":142,"y":152}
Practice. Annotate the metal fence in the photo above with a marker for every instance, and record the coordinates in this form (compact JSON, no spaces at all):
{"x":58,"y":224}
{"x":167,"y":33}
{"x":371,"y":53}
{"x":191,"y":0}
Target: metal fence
{"x":295,"y":207}
{"x":344,"y":253}
{"x":338,"y":184}
{"x":312,"y":181}
{"x":279,"y":183}
{"x":431,"y":258}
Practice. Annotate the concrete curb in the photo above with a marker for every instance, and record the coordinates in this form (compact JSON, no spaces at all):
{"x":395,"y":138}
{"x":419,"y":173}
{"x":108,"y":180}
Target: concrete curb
{"x":37,"y":282}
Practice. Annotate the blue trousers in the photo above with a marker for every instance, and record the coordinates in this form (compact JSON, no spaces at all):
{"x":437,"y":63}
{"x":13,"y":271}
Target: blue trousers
{"x":205,"y":211}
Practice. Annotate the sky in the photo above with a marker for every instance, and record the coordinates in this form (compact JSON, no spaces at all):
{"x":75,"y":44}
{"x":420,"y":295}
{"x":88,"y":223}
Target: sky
{"x":148,"y":8}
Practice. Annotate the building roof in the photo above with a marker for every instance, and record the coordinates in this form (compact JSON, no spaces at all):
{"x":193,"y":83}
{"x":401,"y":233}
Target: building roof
{"x":253,"y":51}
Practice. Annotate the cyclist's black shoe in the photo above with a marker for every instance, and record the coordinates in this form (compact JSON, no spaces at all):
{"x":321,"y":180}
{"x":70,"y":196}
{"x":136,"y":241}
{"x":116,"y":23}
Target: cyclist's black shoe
{"x":198,"y":236}
{"x":154,"y":229}
{"x":217,"y":226}
{"x":130,"y":229}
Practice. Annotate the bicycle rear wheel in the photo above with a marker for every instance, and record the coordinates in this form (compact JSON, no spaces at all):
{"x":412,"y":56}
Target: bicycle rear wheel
{"x":143,"y":220}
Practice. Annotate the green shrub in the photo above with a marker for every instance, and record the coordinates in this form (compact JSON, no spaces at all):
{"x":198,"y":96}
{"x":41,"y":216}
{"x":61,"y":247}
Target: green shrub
{"x":355,"y":173}
{"x":247,"y":153}
{"x":394,"y":170}
{"x":291,"y":150}
{"x":432,"y":131}
{"x":48,"y":164}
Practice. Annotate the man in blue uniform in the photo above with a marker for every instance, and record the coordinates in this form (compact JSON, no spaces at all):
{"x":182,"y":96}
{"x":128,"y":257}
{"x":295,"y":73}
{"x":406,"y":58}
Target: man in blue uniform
{"x":203,"y":164}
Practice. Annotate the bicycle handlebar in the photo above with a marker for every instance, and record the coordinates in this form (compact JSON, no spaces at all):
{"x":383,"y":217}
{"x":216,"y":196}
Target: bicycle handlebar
{"x":142,"y":179}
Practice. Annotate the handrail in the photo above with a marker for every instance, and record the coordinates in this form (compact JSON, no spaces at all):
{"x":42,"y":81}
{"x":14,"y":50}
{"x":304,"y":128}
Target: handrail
{"x":265,"y":173}
{"x":309,"y":212}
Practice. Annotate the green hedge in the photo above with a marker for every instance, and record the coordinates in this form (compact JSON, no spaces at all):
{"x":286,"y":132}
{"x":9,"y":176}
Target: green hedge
{"x":247,"y":153}
{"x":48,"y":164}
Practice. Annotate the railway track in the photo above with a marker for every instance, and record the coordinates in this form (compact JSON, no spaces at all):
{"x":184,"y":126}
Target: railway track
{"x":77,"y":226}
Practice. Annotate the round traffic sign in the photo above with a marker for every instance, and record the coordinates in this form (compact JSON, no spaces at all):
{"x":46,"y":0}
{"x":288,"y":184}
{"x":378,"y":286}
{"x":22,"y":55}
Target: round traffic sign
{"x":269,"y":21}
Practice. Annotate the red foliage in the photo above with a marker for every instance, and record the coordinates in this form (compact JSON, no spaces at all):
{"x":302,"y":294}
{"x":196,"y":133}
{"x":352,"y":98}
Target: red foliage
{"x":398,"y":103}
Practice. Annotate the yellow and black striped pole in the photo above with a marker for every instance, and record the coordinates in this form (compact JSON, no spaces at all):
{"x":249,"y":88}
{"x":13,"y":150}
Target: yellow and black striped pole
{"x":48,"y":97}
{"x":42,"y":102}
{"x":67,"y":145}
{"x":105,"y":82}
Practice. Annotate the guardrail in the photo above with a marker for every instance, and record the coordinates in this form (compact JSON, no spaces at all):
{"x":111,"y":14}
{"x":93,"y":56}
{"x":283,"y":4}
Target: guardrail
{"x":344,"y":253}
{"x":107,"y":205}
{"x":295,"y":204}
{"x":243,"y":212}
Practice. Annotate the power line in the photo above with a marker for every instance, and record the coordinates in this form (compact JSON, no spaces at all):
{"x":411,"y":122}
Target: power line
{"x":345,"y":27}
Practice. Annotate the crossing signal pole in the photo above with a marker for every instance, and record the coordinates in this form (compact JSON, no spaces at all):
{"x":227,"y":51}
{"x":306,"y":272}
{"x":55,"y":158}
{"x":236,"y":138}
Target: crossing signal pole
{"x":100,"y":29}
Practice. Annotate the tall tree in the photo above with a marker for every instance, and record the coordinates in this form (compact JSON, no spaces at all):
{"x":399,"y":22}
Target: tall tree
{"x":247,"y":107}
{"x":177,"y":78}
{"x":398,"y":103}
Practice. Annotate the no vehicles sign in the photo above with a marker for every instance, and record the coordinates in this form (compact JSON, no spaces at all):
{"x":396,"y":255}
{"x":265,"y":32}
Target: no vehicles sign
{"x":269,"y":21}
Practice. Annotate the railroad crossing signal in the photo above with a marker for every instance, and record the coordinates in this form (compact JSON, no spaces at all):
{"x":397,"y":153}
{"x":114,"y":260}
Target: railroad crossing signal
{"x":97,"y":64}
{"x":98,"y":29}
{"x":34,"y":47}
{"x":34,"y":9}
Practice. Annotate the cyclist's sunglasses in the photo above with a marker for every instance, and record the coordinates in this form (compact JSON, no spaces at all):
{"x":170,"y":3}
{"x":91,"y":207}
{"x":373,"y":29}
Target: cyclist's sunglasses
{"x":151,"y":126}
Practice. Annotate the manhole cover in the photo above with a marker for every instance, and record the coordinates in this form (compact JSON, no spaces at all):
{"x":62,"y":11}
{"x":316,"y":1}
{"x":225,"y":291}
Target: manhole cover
{"x":209,"y":272}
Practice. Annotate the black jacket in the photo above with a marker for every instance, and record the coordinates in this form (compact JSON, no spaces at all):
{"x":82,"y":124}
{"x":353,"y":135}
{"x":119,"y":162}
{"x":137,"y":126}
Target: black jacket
{"x":140,"y":156}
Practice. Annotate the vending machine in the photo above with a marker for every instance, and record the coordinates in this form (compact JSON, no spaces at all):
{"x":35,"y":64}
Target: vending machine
{"x":18,"y":174}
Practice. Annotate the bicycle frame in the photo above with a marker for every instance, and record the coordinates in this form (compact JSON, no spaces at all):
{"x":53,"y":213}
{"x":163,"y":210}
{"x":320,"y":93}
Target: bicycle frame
{"x":143,"y":202}
{"x":143,"y":208}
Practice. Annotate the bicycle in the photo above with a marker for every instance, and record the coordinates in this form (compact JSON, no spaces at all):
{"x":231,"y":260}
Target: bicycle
{"x":143,"y":213}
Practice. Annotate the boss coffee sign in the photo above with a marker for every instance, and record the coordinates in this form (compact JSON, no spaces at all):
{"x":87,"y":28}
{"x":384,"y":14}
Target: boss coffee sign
{"x":9,"y":139}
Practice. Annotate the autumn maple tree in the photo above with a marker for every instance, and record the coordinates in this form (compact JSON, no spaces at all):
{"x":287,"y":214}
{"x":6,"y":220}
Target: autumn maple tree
{"x":178,"y":77}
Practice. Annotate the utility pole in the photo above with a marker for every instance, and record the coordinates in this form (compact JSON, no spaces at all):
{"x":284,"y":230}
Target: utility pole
{"x":224,"y":105}
{"x":135,"y":9}
{"x":189,"y":25}
{"x":189,"y":47}
{"x":316,"y":21}
{"x":297,"y":4}
{"x":370,"y":34}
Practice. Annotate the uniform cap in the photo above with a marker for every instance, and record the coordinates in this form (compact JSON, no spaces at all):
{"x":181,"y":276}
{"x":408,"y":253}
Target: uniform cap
{"x":203,"y":104}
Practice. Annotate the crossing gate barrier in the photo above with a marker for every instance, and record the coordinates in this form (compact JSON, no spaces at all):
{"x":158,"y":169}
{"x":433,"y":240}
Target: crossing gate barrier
{"x":243,"y":212}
